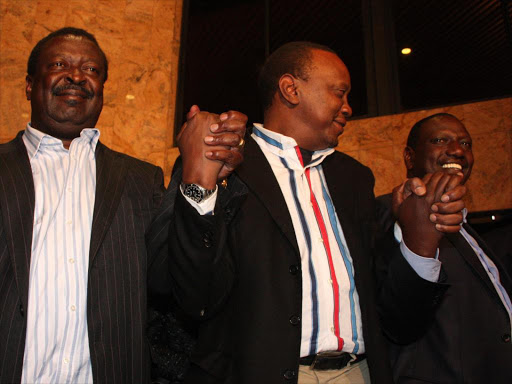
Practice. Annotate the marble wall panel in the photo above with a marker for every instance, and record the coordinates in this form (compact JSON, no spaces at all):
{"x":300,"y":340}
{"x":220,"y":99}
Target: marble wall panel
{"x":486,"y":116}
{"x":507,"y":114}
{"x":386,"y":164}
{"x":489,"y":185}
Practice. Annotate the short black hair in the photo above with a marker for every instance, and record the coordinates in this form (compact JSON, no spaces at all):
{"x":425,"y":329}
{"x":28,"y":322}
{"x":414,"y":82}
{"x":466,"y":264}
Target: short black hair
{"x":36,"y":51}
{"x":414,"y":134}
{"x":294,"y":58}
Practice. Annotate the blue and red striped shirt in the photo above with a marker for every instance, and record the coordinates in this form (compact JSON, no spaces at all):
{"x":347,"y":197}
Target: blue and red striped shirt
{"x":331,"y":316}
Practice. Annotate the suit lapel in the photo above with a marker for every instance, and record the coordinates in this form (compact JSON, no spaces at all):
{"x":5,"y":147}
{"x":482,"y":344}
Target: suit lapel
{"x":110,"y":181}
{"x":258,"y":176}
{"x":504,"y":276}
{"x":17,"y":206}
{"x":469,"y":255}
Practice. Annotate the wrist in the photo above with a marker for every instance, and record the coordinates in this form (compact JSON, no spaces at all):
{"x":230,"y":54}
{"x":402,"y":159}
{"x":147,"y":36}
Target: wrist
{"x":194,"y":177}
{"x":421,"y":248}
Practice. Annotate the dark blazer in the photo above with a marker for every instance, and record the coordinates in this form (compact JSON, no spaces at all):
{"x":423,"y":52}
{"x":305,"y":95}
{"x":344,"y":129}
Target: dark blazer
{"x":128,"y":191}
{"x":468,"y":340}
{"x":239,"y":272}
{"x":499,"y":239}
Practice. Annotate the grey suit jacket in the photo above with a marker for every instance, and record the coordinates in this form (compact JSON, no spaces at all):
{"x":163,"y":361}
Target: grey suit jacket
{"x":128,"y":194}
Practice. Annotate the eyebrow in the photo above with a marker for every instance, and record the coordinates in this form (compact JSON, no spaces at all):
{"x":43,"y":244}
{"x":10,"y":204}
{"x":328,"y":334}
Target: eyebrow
{"x":342,"y":85}
{"x":448,"y":132}
{"x":67,"y":57}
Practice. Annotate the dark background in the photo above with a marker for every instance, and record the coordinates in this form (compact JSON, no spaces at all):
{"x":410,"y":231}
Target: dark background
{"x":461,"y":50}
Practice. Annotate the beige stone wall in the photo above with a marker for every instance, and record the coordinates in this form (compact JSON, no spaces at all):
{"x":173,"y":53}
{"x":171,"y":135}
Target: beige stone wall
{"x":141,"y":39}
{"x":378,"y":143}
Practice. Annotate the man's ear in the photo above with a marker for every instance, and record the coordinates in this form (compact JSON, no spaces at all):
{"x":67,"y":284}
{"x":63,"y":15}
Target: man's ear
{"x":288,"y":89}
{"x":409,"y":158}
{"x":28,"y":86}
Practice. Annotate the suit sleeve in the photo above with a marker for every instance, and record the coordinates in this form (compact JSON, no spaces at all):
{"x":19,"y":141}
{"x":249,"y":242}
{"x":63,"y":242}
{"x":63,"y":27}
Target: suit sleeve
{"x":200,"y":263}
{"x":156,"y":236}
{"x":406,"y":302}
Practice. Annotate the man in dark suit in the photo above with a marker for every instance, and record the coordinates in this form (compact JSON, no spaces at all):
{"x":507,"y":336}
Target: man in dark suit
{"x":74,"y":216}
{"x":280,"y":277}
{"x":468,"y":338}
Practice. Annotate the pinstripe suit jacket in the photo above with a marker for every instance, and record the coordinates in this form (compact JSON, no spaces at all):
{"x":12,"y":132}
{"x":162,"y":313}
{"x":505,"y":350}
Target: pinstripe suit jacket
{"x":128,"y":193}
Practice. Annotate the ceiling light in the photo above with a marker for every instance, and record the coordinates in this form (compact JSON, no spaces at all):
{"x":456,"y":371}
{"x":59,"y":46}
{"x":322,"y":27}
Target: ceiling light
{"x":406,"y":51}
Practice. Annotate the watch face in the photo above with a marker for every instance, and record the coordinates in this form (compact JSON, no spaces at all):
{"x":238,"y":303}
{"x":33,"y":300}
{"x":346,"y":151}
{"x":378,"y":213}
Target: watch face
{"x":194,"y":192}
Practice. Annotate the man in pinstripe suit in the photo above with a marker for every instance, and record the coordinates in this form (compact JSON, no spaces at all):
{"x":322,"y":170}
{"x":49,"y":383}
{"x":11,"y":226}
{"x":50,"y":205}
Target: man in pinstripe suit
{"x":74,"y":217}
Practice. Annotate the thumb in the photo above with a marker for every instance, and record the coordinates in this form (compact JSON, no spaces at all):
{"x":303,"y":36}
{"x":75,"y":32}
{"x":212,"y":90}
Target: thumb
{"x":193,"y":110}
{"x":412,"y":186}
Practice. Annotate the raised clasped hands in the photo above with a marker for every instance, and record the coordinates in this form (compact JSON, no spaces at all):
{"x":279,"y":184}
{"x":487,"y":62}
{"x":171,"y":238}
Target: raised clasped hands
{"x":211,"y":146}
{"x":427,"y":208}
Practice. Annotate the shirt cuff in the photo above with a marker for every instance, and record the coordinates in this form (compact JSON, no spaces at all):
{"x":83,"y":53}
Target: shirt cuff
{"x":427,"y":268}
{"x":206,"y":207}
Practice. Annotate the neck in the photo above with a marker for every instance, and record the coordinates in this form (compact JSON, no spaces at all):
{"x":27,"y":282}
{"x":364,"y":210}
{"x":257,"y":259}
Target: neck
{"x":284,"y":124}
{"x":66,"y":141}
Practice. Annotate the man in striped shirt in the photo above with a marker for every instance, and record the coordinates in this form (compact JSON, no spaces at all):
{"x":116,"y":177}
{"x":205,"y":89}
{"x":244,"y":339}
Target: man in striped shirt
{"x":280,"y":277}
{"x":74,"y":216}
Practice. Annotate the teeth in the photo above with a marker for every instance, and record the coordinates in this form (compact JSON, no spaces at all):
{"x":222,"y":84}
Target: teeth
{"x":452,"y":165}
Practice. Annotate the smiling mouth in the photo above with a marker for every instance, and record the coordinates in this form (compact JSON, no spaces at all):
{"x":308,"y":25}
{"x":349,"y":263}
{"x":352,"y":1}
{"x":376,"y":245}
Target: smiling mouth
{"x":74,"y":91}
{"x":452,"y":166}
{"x":70,"y":94}
{"x":342,"y":124}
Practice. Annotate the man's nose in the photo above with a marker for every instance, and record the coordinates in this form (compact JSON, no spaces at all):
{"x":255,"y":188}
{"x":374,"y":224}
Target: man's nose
{"x":346,"y":109}
{"x":455,"y":149}
{"x":76,"y":76}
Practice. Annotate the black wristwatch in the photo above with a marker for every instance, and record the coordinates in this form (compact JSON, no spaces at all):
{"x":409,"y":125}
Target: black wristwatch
{"x":196,"y":192}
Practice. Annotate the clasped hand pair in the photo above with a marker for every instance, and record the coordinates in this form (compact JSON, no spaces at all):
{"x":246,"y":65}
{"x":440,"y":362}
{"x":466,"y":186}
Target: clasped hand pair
{"x":210,"y":146}
{"x":428,"y":208}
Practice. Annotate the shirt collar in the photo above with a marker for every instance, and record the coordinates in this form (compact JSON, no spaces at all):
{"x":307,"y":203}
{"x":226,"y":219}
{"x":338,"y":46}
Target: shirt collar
{"x":285,"y":147}
{"x":36,"y":140}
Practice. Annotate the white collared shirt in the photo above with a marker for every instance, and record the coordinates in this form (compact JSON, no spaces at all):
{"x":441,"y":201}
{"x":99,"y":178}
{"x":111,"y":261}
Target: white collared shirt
{"x":57,"y":342}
